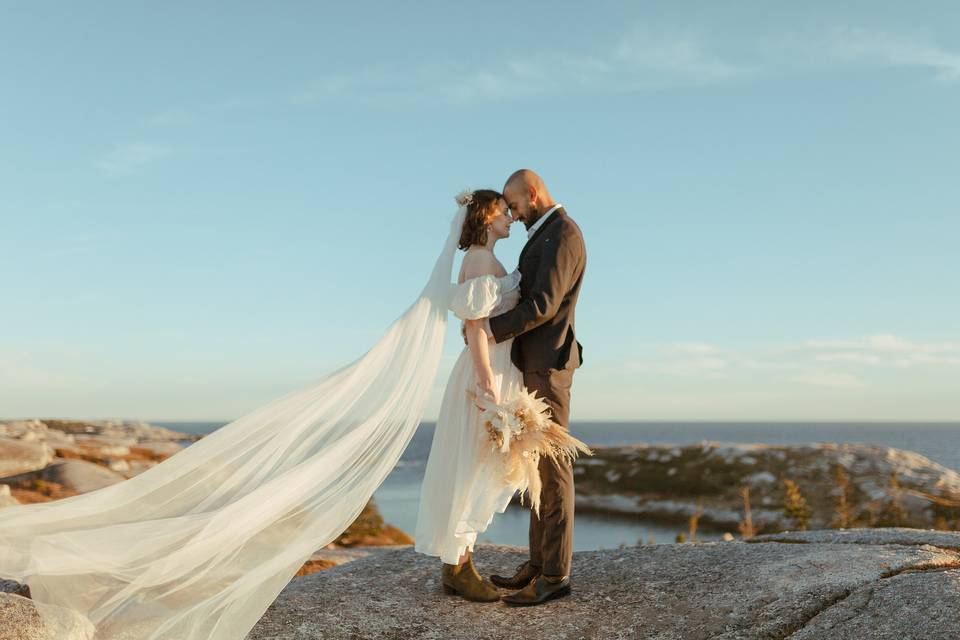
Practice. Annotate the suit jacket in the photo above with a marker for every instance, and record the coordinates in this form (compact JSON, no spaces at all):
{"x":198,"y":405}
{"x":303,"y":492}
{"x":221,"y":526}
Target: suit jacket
{"x":542,"y":324}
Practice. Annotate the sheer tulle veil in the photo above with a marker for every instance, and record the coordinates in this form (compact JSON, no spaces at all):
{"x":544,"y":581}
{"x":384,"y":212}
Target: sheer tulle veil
{"x":198,"y":546}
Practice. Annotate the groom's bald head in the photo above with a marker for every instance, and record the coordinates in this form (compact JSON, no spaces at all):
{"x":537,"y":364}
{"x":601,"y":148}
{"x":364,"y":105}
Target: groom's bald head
{"x":527,"y":196}
{"x":527,"y":180}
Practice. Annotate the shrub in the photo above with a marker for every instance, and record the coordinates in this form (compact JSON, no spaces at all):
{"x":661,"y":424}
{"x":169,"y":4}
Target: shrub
{"x":795,"y":506}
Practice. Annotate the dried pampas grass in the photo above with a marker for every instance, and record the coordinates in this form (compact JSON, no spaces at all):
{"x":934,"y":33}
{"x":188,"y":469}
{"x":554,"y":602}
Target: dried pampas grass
{"x":521,"y":431}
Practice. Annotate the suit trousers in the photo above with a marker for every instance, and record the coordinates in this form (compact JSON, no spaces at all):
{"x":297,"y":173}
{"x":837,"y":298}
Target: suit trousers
{"x":551,"y":534}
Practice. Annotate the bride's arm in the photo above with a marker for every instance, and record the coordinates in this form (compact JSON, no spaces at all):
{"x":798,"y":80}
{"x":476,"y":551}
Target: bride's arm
{"x":475,"y":265}
{"x":479,"y":350}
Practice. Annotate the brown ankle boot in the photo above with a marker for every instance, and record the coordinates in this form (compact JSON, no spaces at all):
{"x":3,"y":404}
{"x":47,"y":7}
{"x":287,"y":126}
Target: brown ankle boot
{"x":465,"y":581}
{"x":476,"y":574}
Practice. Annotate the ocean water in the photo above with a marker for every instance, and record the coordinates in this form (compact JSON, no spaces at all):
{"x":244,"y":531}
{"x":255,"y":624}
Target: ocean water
{"x":398,"y":497}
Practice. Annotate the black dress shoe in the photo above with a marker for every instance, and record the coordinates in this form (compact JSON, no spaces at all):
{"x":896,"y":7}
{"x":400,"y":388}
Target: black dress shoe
{"x":539,"y":591}
{"x":525,"y":573}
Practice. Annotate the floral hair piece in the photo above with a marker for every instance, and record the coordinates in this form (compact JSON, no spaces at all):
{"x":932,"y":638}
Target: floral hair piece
{"x":464,"y":198}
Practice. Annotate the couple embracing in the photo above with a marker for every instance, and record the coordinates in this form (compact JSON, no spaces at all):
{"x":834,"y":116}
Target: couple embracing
{"x":198,"y":546}
{"x":519,"y":332}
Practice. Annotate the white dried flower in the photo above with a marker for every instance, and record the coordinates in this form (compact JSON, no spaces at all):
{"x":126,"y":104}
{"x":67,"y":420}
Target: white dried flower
{"x":464,"y":198}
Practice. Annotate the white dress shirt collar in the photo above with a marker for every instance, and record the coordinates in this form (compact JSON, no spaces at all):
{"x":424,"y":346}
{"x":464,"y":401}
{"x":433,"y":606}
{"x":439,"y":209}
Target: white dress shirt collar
{"x":539,"y":223}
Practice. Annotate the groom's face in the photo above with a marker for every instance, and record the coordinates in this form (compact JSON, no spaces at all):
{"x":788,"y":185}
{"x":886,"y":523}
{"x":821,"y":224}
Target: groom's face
{"x":521,"y":203}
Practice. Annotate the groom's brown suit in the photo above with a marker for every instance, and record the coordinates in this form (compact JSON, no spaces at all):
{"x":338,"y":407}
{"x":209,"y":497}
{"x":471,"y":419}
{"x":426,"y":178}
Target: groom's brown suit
{"x":542,"y":325}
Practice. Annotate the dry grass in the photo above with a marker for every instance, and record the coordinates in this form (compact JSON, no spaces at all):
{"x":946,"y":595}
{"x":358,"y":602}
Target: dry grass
{"x":746,"y":525}
{"x":312,"y":566}
{"x":34,"y":490}
{"x":842,"y":515}
{"x":693,"y":523}
{"x":90,"y":454}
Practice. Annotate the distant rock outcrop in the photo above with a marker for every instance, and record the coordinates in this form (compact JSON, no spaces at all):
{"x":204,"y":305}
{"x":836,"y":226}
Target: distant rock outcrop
{"x":135,"y":429}
{"x":842,"y":484}
{"x":43,"y":460}
{"x":21,"y":456}
{"x":81,"y":476}
{"x":369,"y":529}
{"x":45,"y":429}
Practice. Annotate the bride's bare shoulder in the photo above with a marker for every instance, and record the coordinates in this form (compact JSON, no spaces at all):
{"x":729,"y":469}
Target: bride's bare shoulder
{"x":480,"y":262}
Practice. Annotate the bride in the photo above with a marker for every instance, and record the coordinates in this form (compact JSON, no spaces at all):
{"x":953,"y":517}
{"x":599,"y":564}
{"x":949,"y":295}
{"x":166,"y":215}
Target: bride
{"x":197,"y":547}
{"x":461,"y":489}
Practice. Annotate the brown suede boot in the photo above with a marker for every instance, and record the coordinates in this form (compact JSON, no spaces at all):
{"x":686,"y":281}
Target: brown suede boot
{"x":465,"y":581}
{"x":473,"y":570}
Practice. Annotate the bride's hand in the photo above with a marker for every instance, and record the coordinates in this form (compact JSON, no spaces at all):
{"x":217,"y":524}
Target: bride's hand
{"x":486,"y":387}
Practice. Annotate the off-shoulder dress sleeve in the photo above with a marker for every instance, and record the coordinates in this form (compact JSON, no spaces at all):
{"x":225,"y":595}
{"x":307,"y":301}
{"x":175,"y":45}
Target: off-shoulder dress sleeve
{"x":476,"y":297}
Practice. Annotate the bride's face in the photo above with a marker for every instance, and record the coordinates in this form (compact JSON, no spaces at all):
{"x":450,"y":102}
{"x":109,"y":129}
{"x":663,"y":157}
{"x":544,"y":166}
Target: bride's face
{"x":500,"y":221}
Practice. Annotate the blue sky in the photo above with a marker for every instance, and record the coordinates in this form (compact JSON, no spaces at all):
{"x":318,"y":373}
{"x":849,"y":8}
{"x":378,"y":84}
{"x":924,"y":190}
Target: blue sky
{"x":205,"y":206}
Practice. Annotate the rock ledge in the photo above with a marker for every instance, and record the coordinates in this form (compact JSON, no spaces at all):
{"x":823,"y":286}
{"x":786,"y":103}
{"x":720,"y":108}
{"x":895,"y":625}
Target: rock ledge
{"x":882,"y":584}
{"x":885,"y":584}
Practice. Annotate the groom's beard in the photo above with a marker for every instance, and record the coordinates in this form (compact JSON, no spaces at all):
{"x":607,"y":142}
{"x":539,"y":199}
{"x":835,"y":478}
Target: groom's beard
{"x":535,"y":214}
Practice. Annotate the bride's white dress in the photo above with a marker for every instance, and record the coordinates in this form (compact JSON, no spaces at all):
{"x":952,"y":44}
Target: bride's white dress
{"x":462,"y":487}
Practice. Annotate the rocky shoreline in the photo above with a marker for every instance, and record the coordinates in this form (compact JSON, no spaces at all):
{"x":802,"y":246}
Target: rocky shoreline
{"x":851,"y":582}
{"x":840,"y":485}
{"x":49,"y":459}
{"x":717,"y":484}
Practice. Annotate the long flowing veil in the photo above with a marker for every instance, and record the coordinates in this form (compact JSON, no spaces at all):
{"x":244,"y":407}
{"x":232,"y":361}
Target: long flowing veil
{"x":197,"y":547}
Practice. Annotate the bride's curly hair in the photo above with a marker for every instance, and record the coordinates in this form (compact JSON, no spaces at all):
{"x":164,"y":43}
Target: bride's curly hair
{"x":481,"y":209}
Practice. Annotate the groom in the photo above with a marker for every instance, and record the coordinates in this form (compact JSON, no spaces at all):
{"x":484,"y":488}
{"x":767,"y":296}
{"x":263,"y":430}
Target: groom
{"x":545,"y":349}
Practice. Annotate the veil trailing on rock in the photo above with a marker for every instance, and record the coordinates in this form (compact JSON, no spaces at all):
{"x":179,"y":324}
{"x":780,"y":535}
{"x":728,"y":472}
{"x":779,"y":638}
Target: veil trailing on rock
{"x":197,"y":547}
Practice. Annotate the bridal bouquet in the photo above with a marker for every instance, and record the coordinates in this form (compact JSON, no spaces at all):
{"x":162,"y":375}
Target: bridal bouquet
{"x":522,"y":431}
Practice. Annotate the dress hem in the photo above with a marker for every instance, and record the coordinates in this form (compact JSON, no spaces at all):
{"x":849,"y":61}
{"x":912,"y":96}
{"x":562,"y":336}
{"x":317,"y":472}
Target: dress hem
{"x":474,"y":530}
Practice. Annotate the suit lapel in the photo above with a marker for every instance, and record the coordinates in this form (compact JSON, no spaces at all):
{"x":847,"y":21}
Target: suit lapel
{"x":539,"y":232}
